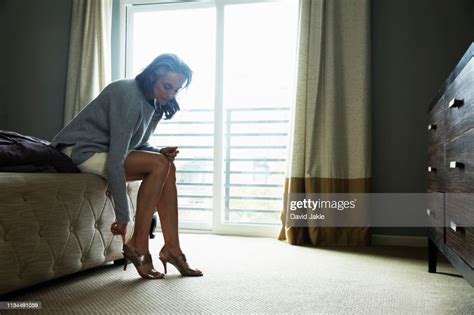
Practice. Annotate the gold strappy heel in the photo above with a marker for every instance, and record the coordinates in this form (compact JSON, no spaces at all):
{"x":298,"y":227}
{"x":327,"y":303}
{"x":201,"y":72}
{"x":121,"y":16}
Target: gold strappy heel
{"x":180,"y":263}
{"x":140,"y":260}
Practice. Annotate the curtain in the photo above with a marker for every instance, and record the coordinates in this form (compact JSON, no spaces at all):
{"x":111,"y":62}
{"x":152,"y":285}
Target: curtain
{"x":330,"y":147}
{"x":89,"y":68}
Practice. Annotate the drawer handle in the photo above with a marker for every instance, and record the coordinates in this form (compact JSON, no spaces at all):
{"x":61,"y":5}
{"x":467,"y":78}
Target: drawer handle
{"x":454,"y":164}
{"x":431,"y":127}
{"x":431,"y":169}
{"x":456,"y":102}
{"x":428,"y":212}
{"x":453,"y":226}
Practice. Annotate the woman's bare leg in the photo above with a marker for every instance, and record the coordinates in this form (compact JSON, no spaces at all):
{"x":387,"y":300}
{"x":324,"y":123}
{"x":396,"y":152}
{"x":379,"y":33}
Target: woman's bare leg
{"x":153,"y":169}
{"x":167,"y":207}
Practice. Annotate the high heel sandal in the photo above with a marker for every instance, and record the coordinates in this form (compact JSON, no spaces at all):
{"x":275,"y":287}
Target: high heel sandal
{"x":140,"y":260}
{"x":180,"y":263}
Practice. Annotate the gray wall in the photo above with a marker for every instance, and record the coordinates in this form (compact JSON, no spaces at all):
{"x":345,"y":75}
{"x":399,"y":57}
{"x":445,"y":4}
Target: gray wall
{"x":415,"y":46}
{"x":3,"y":74}
{"x":36,"y":36}
{"x":115,"y":40}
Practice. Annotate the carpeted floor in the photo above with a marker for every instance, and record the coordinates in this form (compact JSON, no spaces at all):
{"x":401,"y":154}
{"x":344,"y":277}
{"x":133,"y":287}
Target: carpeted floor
{"x":261,"y":275}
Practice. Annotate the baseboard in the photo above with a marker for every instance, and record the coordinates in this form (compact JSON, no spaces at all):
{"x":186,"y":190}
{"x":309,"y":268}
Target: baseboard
{"x":396,"y":240}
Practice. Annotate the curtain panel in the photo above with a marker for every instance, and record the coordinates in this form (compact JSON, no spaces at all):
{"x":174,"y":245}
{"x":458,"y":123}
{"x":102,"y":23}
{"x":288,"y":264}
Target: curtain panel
{"x":330,"y":149}
{"x":89,"y":66}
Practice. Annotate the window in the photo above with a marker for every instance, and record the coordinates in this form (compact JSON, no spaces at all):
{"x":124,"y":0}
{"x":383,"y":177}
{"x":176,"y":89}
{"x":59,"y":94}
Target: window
{"x":232,"y":130}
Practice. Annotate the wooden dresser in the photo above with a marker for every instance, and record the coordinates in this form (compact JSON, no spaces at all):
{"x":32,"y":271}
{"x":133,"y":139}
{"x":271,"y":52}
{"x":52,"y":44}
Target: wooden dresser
{"x":451,"y":170}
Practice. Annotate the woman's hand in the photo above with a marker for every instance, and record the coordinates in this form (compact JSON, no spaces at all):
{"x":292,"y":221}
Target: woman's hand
{"x":118,"y":228}
{"x":170,"y":152}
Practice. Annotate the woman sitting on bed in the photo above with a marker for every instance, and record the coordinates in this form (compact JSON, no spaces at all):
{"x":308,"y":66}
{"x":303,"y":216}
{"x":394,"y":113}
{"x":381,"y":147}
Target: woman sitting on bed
{"x":109,"y":137}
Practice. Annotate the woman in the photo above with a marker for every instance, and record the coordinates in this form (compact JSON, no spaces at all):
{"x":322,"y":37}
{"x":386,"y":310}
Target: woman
{"x":109,"y":137}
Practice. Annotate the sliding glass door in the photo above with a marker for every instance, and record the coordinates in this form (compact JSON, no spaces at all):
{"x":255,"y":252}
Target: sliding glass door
{"x":232,"y":130}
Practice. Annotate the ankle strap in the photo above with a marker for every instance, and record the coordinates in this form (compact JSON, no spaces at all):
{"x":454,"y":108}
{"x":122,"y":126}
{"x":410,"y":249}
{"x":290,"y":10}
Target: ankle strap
{"x":146,"y":259}
{"x":143,"y":259}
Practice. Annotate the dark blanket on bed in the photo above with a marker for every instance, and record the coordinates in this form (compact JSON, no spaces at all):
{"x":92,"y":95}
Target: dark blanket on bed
{"x":21,"y":153}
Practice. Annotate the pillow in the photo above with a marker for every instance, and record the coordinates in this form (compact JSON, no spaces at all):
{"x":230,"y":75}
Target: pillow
{"x":23,"y":153}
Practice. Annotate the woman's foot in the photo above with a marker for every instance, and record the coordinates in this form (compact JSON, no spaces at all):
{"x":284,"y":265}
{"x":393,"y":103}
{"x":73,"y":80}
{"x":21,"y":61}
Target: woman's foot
{"x":141,"y":261}
{"x":179,"y":261}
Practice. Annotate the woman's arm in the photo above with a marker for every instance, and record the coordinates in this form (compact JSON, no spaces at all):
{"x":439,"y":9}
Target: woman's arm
{"x":122,"y":122}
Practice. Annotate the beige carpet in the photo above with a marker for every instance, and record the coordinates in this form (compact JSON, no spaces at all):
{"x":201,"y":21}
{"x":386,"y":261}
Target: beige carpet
{"x":261,"y":275}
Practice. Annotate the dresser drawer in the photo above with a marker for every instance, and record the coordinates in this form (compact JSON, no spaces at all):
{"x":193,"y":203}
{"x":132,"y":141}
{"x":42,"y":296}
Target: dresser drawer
{"x":435,"y":213}
{"x":435,"y":167}
{"x":459,"y":163}
{"x":460,"y":225}
{"x":436,"y":126}
{"x":459,"y":103}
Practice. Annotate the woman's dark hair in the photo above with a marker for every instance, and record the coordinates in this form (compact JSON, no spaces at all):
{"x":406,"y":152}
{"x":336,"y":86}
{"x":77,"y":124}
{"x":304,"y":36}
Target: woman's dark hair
{"x":161,"y":65}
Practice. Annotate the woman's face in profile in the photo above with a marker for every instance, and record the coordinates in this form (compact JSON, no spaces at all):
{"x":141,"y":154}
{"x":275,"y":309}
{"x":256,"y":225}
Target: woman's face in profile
{"x":167,"y":86}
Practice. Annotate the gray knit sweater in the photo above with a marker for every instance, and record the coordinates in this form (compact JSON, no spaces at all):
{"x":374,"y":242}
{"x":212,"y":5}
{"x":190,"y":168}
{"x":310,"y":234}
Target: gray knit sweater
{"x":118,"y":120}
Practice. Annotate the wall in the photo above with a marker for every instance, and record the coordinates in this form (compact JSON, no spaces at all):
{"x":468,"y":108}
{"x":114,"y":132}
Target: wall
{"x":115,"y":40}
{"x":415,"y":45}
{"x":3,"y":75}
{"x":35,"y":58}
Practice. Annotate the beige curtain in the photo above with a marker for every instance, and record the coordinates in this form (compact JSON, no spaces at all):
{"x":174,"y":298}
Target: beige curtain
{"x":89,"y":68}
{"x":330,"y":142}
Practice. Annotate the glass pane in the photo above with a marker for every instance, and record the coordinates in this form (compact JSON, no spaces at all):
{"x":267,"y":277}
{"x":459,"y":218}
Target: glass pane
{"x":260,"y":54}
{"x":259,"y":69}
{"x":156,"y":31}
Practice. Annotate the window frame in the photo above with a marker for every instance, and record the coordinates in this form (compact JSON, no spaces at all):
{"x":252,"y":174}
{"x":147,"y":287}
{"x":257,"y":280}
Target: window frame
{"x":217,"y":225}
